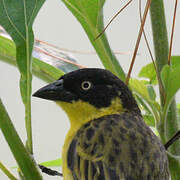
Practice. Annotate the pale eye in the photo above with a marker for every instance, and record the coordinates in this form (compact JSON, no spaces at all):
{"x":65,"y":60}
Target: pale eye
{"x":86,"y":85}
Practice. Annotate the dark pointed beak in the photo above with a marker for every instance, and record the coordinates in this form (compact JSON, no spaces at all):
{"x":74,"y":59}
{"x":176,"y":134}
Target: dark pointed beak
{"x":56,"y":92}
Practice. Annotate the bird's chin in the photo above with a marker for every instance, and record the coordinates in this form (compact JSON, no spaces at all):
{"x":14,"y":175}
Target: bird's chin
{"x":55,"y":92}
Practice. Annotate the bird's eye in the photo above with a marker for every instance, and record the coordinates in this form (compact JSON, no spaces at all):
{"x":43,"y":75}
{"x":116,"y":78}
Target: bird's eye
{"x":86,"y":85}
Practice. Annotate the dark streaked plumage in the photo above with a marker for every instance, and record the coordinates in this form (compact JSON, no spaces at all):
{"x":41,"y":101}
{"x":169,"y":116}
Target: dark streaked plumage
{"x":133,"y":153}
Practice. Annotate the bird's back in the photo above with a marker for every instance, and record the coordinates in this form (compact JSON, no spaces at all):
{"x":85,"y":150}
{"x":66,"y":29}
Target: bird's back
{"x":117,"y":147}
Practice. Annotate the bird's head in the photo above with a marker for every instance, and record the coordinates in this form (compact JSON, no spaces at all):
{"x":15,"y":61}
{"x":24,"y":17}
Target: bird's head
{"x":89,"y":93}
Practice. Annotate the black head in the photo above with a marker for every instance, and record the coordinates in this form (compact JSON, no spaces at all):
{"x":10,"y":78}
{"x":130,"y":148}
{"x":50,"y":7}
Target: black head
{"x":95,"y":86}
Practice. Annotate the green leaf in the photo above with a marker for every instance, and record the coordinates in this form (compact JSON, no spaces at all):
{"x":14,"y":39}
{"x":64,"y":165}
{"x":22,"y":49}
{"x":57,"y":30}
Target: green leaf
{"x":22,"y":156}
{"x":52,"y":163}
{"x":175,"y":61}
{"x":17,"y":18}
{"x":171,"y":80}
{"x":90,"y":15}
{"x":141,"y":90}
{"x":149,"y":72}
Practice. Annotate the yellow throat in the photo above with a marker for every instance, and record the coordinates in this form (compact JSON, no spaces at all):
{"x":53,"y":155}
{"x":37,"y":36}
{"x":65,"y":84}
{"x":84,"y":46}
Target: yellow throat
{"x":79,"y":113}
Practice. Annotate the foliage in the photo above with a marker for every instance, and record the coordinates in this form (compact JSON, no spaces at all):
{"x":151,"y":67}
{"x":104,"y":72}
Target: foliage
{"x":90,"y":15}
{"x":17,"y":19}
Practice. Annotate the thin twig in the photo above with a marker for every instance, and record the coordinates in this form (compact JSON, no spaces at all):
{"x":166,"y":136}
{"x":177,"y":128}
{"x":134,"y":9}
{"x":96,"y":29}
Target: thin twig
{"x":145,"y":37}
{"x":172,"y":140}
{"x":172,"y":33}
{"x":138,"y":40}
{"x":113,"y":19}
{"x":49,"y":171}
{"x":65,"y":49}
{"x":76,"y":51}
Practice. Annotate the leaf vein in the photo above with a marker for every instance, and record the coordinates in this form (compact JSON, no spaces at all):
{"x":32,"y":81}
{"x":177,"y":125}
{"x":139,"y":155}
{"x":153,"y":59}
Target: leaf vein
{"x":32,"y":13}
{"x":73,"y":7}
{"x":11,"y":22}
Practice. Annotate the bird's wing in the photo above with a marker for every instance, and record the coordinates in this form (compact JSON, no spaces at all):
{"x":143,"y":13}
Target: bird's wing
{"x":117,"y":147}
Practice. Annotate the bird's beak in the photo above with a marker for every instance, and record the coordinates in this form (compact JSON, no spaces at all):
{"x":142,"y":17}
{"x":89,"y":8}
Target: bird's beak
{"x":56,"y":92}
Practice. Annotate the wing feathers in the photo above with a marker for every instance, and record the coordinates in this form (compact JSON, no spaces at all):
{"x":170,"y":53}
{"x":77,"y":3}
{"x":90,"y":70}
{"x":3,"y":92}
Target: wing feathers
{"x":120,"y":147}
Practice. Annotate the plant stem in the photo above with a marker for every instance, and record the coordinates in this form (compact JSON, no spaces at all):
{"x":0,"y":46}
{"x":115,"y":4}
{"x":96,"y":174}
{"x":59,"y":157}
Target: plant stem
{"x":161,"y":52}
{"x":160,"y":39}
{"x":174,"y":166}
{"x":7,"y":172}
{"x":159,"y":33}
{"x":171,"y":127}
{"x":168,"y":126}
{"x":25,"y":162}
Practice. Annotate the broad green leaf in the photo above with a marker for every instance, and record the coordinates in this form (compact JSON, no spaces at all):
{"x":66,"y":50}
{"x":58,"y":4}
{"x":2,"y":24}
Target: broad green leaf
{"x":22,"y":156}
{"x":90,"y":15}
{"x":141,"y":90}
{"x":17,"y":18}
{"x":175,"y":61}
{"x":52,"y":163}
{"x":149,"y":72}
{"x":171,"y":80}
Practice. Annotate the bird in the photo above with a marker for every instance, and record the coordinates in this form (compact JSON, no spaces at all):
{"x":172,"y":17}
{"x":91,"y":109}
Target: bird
{"x":108,"y":138}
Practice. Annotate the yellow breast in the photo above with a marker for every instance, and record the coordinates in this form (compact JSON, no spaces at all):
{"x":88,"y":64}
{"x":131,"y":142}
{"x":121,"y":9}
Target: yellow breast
{"x":79,"y":113}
